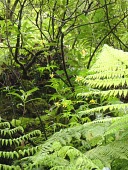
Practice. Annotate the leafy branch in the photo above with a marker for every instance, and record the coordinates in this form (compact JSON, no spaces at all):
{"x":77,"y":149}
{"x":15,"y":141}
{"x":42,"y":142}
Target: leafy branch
{"x":114,"y":27}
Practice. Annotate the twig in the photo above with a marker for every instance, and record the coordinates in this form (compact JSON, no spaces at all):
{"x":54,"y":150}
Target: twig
{"x":107,"y":16}
{"x":63,"y":59}
{"x":89,"y":62}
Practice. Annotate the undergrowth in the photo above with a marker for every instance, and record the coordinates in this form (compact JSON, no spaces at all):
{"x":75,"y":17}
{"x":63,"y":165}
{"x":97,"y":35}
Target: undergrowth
{"x":99,"y":144}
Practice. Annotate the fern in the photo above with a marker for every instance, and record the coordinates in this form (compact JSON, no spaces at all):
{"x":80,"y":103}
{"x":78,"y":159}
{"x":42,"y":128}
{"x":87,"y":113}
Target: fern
{"x":93,"y":145}
{"x":114,"y":92}
{"x":66,"y":157}
{"x":73,"y":148}
{"x":11,"y":131}
{"x":10,"y":140}
{"x":104,"y":108}
{"x":100,"y":143}
{"x":7,"y":167}
{"x":108,"y":77}
{"x":108,"y":153}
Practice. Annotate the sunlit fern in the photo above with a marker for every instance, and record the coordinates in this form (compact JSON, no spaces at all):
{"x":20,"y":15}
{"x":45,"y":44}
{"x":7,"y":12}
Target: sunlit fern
{"x":108,"y":77}
{"x":92,"y":145}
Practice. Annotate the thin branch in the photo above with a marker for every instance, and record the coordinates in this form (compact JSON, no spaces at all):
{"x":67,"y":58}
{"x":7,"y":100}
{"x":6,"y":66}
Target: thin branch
{"x":63,"y":22}
{"x":18,"y":40}
{"x":107,"y":16}
{"x":13,"y":9}
{"x":63,"y":59}
{"x":41,"y":21}
{"x":76,"y":16}
{"x":34,"y":57}
{"x":53,"y":20}
{"x":89,"y":62}
{"x":37,"y":25}
{"x":41,"y":122}
{"x":89,"y":23}
{"x":77,"y":6}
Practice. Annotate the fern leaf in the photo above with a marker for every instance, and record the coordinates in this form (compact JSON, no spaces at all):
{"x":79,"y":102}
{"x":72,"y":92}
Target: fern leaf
{"x":104,"y":108}
{"x":114,"y":150}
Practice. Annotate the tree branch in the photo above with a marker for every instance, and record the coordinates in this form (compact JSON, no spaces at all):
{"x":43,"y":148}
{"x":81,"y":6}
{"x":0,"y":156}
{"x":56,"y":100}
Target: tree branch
{"x":63,"y":60}
{"x":89,"y":62}
{"x":18,"y":41}
{"x":107,"y":16}
{"x":13,"y":9}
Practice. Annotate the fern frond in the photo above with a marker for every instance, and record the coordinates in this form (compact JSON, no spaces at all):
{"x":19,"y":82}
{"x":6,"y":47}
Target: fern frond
{"x":60,"y":149}
{"x":66,"y":157}
{"x":108,"y":77}
{"x":104,"y":108}
{"x":108,"y":74}
{"x":19,"y":153}
{"x":4,"y":125}
{"x":107,"y":153}
{"x":110,"y":59}
{"x":19,"y":140}
{"x":107,"y":93}
{"x":11,"y":131}
{"x":28,"y":152}
{"x":120,"y":125}
{"x":7,"y":167}
{"x":8,"y":155}
{"x":107,"y":83}
{"x":109,"y":70}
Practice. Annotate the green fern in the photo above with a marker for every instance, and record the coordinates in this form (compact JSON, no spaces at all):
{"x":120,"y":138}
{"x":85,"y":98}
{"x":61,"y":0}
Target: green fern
{"x":108,"y":153}
{"x":11,"y":141}
{"x":97,"y":144}
{"x":104,"y":108}
{"x":7,"y":167}
{"x":68,"y":149}
{"x":93,"y":145}
{"x":73,"y":148}
{"x":114,"y":92}
{"x":108,"y":77}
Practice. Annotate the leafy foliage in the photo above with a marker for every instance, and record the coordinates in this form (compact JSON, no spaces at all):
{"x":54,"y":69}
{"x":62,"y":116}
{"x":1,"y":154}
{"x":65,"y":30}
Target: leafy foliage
{"x":108,"y":78}
{"x":12,"y":142}
{"x":98,"y":144}
{"x":47,"y":48}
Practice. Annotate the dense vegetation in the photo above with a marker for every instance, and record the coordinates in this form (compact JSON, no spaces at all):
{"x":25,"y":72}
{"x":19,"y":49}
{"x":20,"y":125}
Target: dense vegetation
{"x":64,"y":84}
